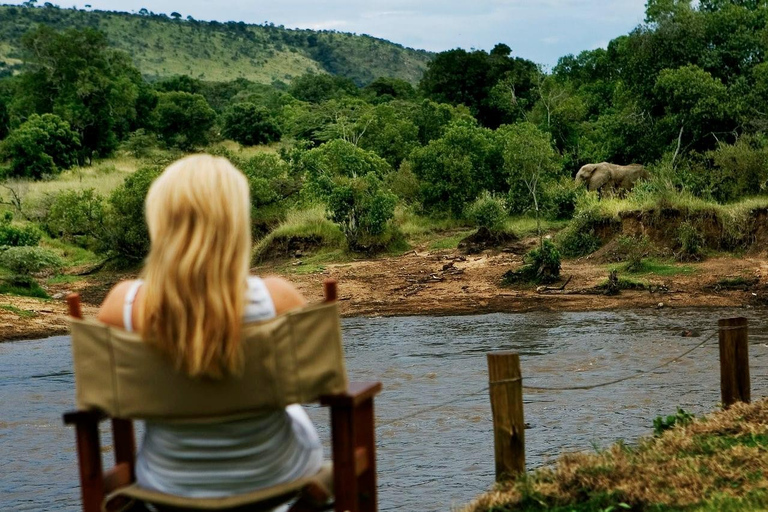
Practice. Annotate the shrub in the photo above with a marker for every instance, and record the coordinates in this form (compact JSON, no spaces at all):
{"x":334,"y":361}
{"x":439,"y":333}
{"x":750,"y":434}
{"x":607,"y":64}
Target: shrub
{"x":540,"y":265}
{"x":126,"y":236}
{"x":42,"y":146}
{"x":403,"y":183}
{"x":274,"y":186}
{"x":559,"y":198}
{"x":140,"y":143}
{"x":250,"y":125}
{"x":662,"y":424}
{"x":17,"y":236}
{"x":740,"y":169}
{"x":580,"y":237}
{"x":488,"y":211}
{"x":633,"y":249}
{"x":28,"y":260}
{"x":77,"y":216}
{"x":691,"y":241}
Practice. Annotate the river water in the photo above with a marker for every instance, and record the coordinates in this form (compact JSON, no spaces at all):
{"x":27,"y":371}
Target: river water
{"x":443,"y":457}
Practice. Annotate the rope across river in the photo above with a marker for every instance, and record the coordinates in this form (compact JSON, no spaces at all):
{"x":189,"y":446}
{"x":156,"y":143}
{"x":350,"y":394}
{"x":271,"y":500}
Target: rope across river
{"x":544,"y":388}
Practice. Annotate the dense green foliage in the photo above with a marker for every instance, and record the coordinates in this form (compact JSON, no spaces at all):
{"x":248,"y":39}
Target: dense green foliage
{"x":76,"y":76}
{"x":41,"y":146}
{"x":349,"y":179}
{"x":17,"y":236}
{"x":488,"y":211}
{"x":484,"y":135}
{"x":77,"y":217}
{"x":183,"y":119}
{"x":127,"y":237}
{"x":250,"y":125}
{"x":28,"y":260}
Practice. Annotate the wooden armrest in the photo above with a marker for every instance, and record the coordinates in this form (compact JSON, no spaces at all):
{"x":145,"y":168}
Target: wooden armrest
{"x":357,"y":393}
{"x":77,"y":417}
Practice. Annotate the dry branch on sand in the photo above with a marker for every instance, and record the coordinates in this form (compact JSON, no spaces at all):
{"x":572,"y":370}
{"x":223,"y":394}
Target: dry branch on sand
{"x":719,"y":461}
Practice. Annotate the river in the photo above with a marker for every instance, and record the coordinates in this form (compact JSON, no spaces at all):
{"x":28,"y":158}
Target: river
{"x":442,"y":458}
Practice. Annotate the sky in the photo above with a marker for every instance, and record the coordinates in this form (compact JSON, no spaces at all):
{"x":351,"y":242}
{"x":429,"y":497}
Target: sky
{"x":539,"y":30}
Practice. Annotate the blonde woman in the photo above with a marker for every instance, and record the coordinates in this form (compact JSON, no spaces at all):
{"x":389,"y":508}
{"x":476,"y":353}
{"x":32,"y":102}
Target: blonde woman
{"x":194,"y":294}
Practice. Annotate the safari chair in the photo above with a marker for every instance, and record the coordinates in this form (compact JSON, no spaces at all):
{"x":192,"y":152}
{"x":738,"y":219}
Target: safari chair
{"x":294,"y":358}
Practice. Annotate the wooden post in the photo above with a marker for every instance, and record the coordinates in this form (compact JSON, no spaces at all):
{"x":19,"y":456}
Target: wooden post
{"x":506,"y":389}
{"x":734,"y":361}
{"x":331,"y":290}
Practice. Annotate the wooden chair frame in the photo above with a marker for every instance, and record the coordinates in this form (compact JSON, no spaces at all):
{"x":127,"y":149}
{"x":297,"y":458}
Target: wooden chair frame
{"x":352,"y":441}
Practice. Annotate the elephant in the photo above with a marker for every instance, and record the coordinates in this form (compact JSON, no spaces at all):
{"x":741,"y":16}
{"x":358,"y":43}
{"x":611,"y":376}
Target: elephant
{"x":605,"y":176}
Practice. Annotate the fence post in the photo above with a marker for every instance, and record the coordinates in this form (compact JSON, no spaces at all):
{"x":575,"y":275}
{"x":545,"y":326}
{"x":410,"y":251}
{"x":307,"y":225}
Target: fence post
{"x":734,"y":361}
{"x":506,"y":390}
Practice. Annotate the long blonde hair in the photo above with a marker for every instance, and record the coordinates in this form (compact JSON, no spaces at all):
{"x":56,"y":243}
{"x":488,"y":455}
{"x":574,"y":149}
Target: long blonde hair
{"x":198,"y":215}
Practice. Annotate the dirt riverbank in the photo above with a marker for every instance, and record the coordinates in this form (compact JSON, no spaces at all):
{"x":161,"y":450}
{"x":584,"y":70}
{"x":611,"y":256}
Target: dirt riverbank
{"x":444,"y":283}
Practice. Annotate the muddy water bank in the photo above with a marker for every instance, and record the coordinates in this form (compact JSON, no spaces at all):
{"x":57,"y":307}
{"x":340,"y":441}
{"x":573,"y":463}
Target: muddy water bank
{"x":443,"y":457}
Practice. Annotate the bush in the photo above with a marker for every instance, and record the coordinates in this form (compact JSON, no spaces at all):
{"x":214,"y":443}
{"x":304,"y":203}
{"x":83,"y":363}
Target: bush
{"x":274,"y":187}
{"x":580,"y":237}
{"x":250,"y":125}
{"x":633,"y":249}
{"x":560,"y":197}
{"x":488,"y":211}
{"x":140,"y":143}
{"x":78,"y":217}
{"x":541,"y":265}
{"x":691,"y":241}
{"x":42,"y":146}
{"x":17,"y":236}
{"x":28,"y":260}
{"x":126,"y":236}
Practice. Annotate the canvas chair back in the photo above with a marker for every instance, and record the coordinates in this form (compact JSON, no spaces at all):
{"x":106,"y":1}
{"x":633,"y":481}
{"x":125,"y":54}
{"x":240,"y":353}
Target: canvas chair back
{"x":293,"y":358}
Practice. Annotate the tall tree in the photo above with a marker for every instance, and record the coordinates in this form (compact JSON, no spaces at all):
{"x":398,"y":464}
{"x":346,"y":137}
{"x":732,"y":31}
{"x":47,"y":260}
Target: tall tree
{"x":74,"y":75}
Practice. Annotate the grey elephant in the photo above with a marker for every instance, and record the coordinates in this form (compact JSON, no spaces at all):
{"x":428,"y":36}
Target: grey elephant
{"x":605,"y":176}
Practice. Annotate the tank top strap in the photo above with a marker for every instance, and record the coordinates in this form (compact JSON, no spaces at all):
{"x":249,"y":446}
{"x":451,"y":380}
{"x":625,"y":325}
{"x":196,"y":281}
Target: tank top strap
{"x":259,"y":304}
{"x":130,"y":297}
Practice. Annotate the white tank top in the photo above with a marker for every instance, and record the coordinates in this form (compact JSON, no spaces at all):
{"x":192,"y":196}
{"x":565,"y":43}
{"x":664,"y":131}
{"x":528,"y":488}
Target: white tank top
{"x":223,"y":459}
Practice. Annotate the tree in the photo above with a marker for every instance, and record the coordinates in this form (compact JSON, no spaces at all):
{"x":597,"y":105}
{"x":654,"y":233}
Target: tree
{"x":250,"y":125}
{"x":386,"y":89}
{"x":126,"y":236}
{"x":316,"y":88}
{"x":42,"y":146}
{"x":530,"y":162}
{"x":461,"y":77}
{"x":456,"y":167}
{"x":349,"y":180}
{"x":75,"y":75}
{"x":183,"y":120}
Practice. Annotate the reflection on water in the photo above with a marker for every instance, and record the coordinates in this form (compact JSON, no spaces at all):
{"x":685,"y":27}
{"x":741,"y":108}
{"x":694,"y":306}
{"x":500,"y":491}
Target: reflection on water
{"x":443,"y":457}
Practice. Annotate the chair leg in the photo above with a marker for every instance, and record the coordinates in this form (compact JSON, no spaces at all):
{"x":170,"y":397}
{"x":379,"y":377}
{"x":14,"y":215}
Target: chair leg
{"x":365,"y":438}
{"x":89,"y":457}
{"x":354,"y":457}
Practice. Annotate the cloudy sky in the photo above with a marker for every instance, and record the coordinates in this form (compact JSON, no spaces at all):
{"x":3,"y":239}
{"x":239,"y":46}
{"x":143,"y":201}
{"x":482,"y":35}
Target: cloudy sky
{"x":540,"y":30}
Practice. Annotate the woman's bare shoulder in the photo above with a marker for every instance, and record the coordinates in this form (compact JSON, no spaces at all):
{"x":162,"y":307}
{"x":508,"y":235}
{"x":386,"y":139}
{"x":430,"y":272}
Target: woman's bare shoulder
{"x":284,"y":294}
{"x":111,"y":310}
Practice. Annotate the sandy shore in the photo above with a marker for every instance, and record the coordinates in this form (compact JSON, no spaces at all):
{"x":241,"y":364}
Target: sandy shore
{"x":438,"y":283}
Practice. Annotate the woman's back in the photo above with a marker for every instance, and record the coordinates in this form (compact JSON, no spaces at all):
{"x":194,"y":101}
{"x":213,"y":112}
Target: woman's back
{"x":223,"y":459}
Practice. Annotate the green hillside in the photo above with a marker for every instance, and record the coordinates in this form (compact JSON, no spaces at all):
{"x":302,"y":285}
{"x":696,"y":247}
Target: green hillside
{"x":163,"y":46}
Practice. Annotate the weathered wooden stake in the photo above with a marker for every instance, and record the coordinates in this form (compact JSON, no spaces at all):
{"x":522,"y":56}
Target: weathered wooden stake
{"x":506,"y":389}
{"x":734,"y":361}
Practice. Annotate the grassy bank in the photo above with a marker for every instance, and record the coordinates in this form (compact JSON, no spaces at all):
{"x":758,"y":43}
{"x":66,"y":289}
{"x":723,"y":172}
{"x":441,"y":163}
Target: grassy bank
{"x":717,"y":462}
